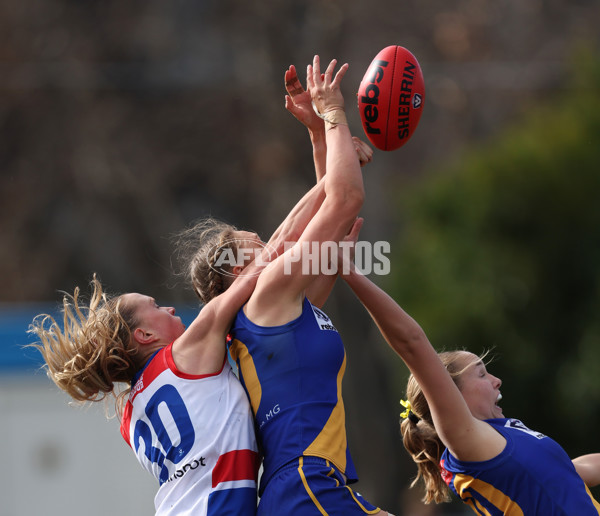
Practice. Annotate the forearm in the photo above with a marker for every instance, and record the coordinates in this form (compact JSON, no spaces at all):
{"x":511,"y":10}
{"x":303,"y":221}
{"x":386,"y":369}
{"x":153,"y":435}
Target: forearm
{"x":344,"y":176}
{"x":319,"y":145}
{"x":216,"y":317}
{"x":293,"y":225}
{"x":404,"y":335}
{"x":343,"y":182}
{"x":230,"y":301}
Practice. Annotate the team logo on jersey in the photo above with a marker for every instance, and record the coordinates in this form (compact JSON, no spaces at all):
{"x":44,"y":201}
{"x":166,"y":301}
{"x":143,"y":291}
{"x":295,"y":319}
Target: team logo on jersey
{"x":139,"y":386}
{"x":518,"y":425}
{"x":323,"y":320}
{"x":187,"y":467}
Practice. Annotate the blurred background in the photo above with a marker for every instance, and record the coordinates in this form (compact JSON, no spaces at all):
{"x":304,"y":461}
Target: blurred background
{"x":123,"y":122}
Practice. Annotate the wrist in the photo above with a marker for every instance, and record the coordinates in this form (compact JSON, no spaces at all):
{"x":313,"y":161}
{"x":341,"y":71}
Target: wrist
{"x":333,"y":116}
{"x":317,"y":134}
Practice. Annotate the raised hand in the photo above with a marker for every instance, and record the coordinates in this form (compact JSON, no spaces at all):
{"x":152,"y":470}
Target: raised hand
{"x":324,"y":88}
{"x":299,"y":103}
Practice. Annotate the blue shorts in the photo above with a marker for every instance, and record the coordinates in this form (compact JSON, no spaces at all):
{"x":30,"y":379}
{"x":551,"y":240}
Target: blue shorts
{"x":310,"y":486}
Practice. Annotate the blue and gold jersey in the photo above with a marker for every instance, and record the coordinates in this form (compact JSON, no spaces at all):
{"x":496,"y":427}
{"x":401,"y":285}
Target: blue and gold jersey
{"x":293,"y":376}
{"x":533,"y":476}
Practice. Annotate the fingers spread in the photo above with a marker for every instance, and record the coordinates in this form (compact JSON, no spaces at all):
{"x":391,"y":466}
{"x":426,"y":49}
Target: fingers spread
{"x":310,"y":77}
{"x":292,"y":83}
{"x":316,"y":67}
{"x":330,"y":68}
{"x":340,"y":74}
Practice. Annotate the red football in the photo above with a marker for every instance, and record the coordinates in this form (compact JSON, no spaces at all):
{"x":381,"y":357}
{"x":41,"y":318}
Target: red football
{"x":391,"y":97}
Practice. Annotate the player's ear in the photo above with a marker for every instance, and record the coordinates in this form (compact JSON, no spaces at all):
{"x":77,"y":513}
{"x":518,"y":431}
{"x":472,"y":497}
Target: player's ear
{"x":237,"y":270}
{"x":142,"y":336}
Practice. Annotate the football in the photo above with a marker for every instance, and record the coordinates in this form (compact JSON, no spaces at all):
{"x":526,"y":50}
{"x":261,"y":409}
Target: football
{"x":391,"y":97}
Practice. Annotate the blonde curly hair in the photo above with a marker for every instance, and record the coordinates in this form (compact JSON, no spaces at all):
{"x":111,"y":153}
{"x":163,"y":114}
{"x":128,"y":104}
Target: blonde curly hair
{"x":91,"y":351}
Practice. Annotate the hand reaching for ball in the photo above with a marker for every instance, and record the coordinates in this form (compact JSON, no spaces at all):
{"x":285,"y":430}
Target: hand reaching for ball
{"x":324,"y":88}
{"x":299,"y":103}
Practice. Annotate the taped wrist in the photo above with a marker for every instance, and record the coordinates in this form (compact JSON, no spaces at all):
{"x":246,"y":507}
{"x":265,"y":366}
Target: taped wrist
{"x":333,"y":117}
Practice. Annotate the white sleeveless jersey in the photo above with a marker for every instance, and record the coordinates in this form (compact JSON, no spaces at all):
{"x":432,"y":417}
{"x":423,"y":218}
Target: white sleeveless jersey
{"x":195,"y":434}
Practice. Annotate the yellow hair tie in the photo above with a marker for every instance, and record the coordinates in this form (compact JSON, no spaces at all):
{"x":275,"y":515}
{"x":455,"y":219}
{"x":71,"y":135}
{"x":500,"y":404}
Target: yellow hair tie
{"x":408,"y":413}
{"x":406,"y":404}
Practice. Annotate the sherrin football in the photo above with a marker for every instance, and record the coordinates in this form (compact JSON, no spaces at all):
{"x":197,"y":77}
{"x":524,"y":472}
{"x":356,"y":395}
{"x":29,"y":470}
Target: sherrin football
{"x":391,"y":97}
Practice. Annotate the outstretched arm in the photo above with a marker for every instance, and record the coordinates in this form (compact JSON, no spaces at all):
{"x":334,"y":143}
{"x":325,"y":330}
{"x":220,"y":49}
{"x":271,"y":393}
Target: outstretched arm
{"x":467,"y":437}
{"x":287,"y":278}
{"x":299,"y":103}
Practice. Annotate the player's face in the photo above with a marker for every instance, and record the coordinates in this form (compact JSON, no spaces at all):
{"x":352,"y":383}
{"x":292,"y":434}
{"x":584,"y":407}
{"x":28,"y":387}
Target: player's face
{"x":161,"y":321}
{"x":479,"y":388}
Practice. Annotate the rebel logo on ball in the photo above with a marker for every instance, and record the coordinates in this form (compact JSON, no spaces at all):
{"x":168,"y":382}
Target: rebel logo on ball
{"x":370,"y":99}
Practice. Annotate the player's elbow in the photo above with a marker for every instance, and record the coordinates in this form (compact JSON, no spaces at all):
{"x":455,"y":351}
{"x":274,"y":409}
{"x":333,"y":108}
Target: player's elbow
{"x":408,"y":343}
{"x":348,"y":201}
{"x":356,"y":198}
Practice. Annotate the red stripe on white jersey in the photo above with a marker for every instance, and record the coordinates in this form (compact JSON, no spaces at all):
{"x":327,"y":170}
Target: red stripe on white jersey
{"x":235,"y":465}
{"x":126,"y":422}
